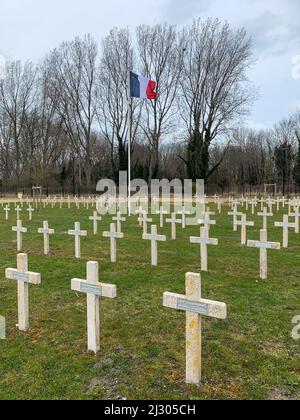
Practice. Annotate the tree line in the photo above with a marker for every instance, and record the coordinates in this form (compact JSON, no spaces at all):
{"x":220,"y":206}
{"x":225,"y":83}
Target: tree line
{"x":64,"y":122}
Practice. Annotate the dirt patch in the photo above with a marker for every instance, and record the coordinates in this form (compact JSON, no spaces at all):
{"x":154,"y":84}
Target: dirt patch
{"x":282,"y":394}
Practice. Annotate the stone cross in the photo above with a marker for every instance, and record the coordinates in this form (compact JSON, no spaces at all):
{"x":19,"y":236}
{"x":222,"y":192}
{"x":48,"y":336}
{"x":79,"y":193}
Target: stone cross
{"x":235,"y":215}
{"x":206,"y":221}
{"x":94,"y":290}
{"x":18,"y":210}
{"x":20,"y":230}
{"x":140,"y":213}
{"x":161,"y":213}
{"x":203,"y":240}
{"x":95,"y":218}
{"x":119,"y":219}
{"x":285,"y":225}
{"x":113,"y":235}
{"x":77,"y":233}
{"x":144,"y":220}
{"x":265,"y":214}
{"x":244,"y":223}
{"x":296,"y":215}
{"x":195,"y":308}
{"x":154,"y":238}
{"x":183,"y":213}
{"x":7,"y":210}
{"x":46,"y":232}
{"x":30,"y":211}
{"x":173,"y":222}
{"x":24,"y":278}
{"x":264,"y":245}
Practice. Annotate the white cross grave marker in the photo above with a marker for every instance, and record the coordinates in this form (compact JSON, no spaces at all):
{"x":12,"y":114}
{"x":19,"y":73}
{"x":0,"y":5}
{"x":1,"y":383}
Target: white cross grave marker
{"x":30,"y":211}
{"x":154,"y":238}
{"x":296,"y":215}
{"x":183,"y":213}
{"x":94,"y":290}
{"x":144,"y":220}
{"x":244,"y":223}
{"x":77,"y":233}
{"x":264,"y":245}
{"x":7,"y":210}
{"x":119,"y":219}
{"x":173,"y":222}
{"x":203,"y":240}
{"x":20,"y":230}
{"x":95,"y":218}
{"x":234,"y":213}
{"x":18,"y":210}
{"x":24,"y":278}
{"x":195,"y":307}
{"x":161,"y":213}
{"x":46,"y":232}
{"x":285,"y":225}
{"x":113,"y":235}
{"x":265,"y":214}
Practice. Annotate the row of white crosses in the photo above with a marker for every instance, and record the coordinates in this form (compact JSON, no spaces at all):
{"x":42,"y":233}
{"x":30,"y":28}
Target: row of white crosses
{"x":18,"y":209}
{"x":191,"y":303}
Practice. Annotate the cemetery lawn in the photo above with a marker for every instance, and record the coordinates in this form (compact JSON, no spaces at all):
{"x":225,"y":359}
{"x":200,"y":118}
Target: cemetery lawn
{"x":251,"y":355}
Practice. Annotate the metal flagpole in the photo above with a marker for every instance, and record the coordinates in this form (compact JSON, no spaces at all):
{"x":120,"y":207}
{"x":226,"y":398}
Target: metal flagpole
{"x":129,"y":145}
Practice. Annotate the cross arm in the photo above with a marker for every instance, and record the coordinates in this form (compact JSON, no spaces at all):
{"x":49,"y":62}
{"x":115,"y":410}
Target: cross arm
{"x":28,"y":277}
{"x":99,"y":289}
{"x":208,"y":241}
{"x":209,"y":308}
{"x":150,"y":237}
{"x":264,"y":245}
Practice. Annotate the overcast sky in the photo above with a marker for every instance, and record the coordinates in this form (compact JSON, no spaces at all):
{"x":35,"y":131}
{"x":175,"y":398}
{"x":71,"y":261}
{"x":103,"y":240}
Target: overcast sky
{"x":30,"y":28}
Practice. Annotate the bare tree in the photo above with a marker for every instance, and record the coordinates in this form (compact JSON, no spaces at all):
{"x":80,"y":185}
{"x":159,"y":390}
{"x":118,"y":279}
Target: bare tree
{"x":214,"y":88}
{"x":161,"y":59}
{"x":16,"y":101}
{"x":72,"y":69}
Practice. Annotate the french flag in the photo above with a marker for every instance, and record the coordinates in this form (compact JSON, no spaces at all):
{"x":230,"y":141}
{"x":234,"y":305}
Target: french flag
{"x":142,"y":87}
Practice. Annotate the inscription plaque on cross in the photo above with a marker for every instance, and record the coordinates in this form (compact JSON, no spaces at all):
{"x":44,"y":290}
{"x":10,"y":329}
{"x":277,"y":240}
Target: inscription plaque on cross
{"x":195,"y":308}
{"x":113,"y":235}
{"x":204,"y":241}
{"x":154,"y":238}
{"x":263,"y":245}
{"x":77,"y":232}
{"x":94,"y":291}
{"x":95,"y":219}
{"x":24,"y":278}
{"x":46,"y":232}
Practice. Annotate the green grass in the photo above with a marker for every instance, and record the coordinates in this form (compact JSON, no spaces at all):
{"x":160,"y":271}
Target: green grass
{"x":250,"y":355}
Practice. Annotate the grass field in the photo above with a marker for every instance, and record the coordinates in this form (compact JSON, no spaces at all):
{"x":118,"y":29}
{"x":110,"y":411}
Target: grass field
{"x":250,"y":355}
